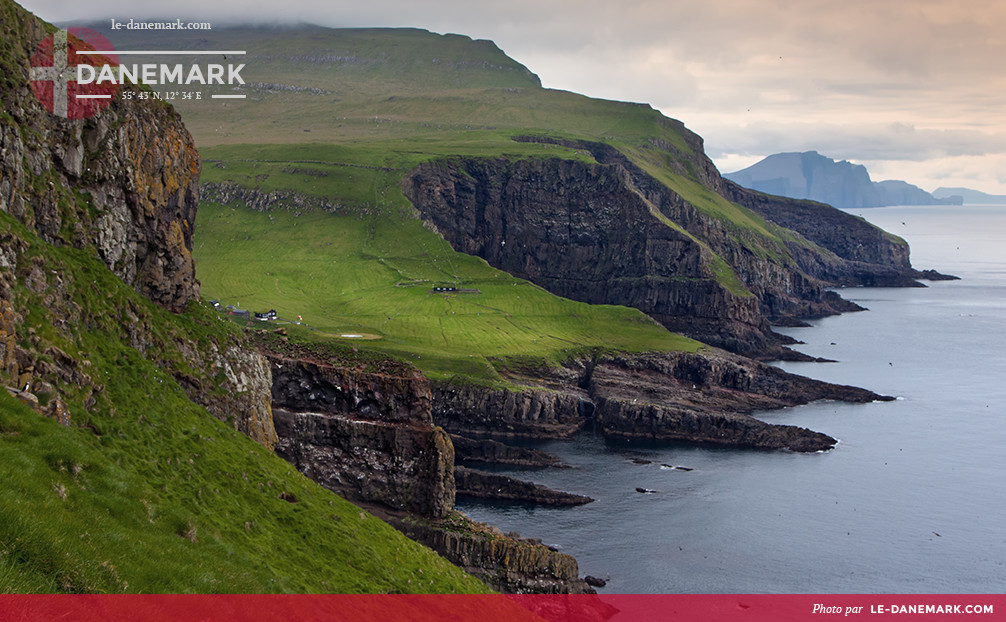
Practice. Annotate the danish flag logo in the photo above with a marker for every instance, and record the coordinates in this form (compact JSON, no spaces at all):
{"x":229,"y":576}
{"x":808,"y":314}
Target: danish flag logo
{"x":54,"y":73}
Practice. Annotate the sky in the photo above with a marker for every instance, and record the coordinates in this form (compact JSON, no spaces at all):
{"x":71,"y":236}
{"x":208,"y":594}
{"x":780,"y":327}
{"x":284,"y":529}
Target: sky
{"x":913,"y":89}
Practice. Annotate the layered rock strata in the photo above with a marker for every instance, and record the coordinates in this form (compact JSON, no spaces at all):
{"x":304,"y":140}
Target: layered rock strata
{"x":368,"y":436}
{"x":703,"y":397}
{"x":608,"y":232}
{"x":507,"y":563}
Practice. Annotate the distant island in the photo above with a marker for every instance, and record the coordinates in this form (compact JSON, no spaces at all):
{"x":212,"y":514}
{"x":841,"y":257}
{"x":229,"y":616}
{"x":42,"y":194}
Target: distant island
{"x":971,"y":197}
{"x":810,"y":175}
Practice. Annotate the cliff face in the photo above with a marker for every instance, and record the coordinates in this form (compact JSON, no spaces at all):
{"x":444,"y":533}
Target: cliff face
{"x":598,"y":233}
{"x":529,"y":413}
{"x":580,"y":231}
{"x":124,"y":182}
{"x":507,"y":563}
{"x":368,"y":436}
{"x":122,"y":187}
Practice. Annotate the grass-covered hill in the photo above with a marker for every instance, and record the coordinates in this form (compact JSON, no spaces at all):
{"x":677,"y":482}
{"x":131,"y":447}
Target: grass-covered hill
{"x":335,"y":120}
{"x":112,"y":478}
{"x":136,"y":486}
{"x":144,"y":491}
{"x":373,"y":275}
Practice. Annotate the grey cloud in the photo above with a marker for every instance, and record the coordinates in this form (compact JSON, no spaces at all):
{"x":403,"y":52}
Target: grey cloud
{"x":847,"y":69}
{"x":854,"y":142}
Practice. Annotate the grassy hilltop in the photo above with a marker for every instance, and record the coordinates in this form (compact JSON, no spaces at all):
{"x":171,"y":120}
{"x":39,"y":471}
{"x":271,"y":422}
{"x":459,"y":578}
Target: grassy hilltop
{"x":342,"y":116}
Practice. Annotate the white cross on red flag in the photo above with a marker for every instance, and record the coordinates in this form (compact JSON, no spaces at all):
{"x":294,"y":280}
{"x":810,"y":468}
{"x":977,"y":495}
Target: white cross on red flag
{"x":54,"y":73}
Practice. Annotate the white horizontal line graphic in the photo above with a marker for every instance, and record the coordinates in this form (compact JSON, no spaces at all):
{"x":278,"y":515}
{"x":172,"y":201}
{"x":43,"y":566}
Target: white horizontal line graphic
{"x":176,"y":52}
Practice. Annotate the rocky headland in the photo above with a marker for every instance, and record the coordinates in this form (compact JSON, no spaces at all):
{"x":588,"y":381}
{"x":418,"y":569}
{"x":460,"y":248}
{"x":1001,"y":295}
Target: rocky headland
{"x":705,"y":397}
{"x":598,"y":232}
{"x":364,"y":428}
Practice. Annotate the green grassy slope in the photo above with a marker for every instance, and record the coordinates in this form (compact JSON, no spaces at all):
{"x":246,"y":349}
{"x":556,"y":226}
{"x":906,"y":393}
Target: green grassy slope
{"x":400,"y":96}
{"x":369,"y":106}
{"x":145,"y":491}
{"x":373,"y":276}
{"x":380,"y":101}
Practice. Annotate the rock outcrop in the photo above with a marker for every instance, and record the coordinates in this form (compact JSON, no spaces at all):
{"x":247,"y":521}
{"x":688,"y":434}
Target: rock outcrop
{"x":225,"y":193}
{"x":124,"y":182}
{"x":468,"y":409}
{"x":238,"y":389}
{"x":482,"y":485}
{"x":122,"y":186}
{"x":704,"y":397}
{"x":368,"y":436}
{"x":507,"y":563}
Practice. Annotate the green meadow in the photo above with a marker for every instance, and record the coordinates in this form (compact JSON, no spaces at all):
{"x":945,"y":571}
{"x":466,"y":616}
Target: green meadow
{"x":344,"y":115}
{"x":375,"y":276}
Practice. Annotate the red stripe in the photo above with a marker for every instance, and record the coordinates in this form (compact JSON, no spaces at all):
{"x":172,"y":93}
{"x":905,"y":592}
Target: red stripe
{"x":437,"y":608}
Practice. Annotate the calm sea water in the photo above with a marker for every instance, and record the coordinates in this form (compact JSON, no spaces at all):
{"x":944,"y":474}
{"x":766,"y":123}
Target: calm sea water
{"x":911,"y":501}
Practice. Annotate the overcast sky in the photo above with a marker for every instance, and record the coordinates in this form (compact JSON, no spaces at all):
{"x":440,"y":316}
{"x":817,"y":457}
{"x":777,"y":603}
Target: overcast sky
{"x":913,"y":89}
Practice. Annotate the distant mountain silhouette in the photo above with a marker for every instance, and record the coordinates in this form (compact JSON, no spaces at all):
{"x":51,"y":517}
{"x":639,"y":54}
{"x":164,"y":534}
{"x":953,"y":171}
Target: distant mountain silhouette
{"x":971,"y":196}
{"x":810,"y":175}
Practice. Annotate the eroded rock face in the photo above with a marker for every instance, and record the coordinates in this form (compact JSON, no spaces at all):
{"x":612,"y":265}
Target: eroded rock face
{"x":598,"y":233}
{"x":530,"y":413}
{"x":246,"y":399}
{"x":8,"y":340}
{"x":122,"y":185}
{"x":508,"y":564}
{"x":705,"y":397}
{"x":402,"y":467}
{"x":366,"y":435}
{"x":581,"y":231}
{"x":124,"y":182}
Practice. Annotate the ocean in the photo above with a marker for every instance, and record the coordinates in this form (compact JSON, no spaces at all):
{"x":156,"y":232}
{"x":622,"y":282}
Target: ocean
{"x":910,"y":501}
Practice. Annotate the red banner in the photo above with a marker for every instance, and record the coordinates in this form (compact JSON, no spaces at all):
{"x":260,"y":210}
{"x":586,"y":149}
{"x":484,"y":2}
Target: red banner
{"x":532,"y":608}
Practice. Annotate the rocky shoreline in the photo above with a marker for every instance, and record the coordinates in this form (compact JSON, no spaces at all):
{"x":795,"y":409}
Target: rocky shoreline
{"x":379,"y":435}
{"x":487,"y":451}
{"x":483,"y":485}
{"x":705,"y":397}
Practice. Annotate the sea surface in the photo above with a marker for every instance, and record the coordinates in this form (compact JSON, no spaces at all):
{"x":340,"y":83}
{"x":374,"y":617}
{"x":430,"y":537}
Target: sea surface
{"x":912,"y":500}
